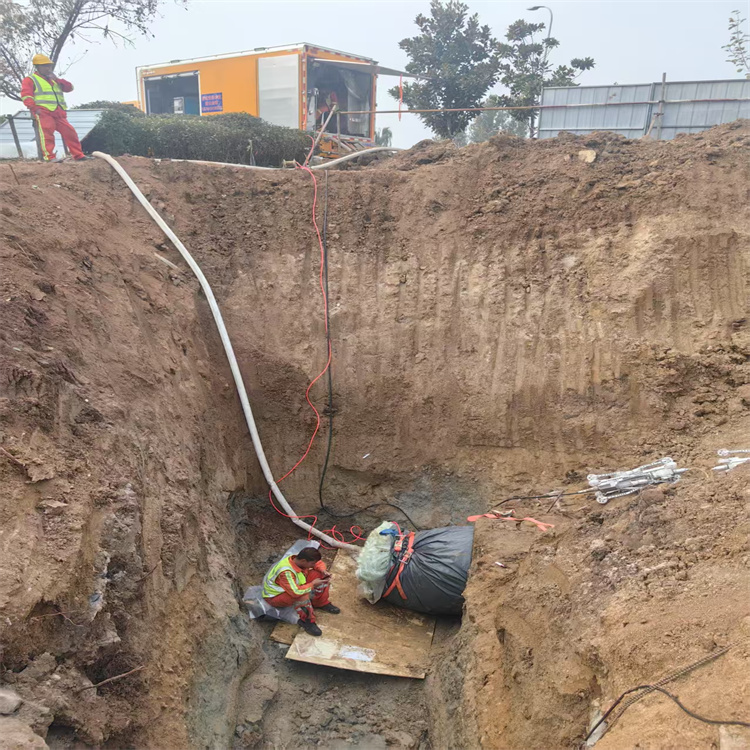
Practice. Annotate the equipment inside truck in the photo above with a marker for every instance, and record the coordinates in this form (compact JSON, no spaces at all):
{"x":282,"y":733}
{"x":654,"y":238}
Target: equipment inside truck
{"x":353,"y":92}
{"x":175,"y":94}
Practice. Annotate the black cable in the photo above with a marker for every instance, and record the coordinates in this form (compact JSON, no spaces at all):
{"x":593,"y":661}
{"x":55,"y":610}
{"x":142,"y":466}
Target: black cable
{"x":330,"y":386}
{"x":609,"y":711}
{"x":328,"y":344}
{"x":367,"y":507}
{"x":733,"y":722}
{"x":669,"y":695}
{"x":548,"y":496}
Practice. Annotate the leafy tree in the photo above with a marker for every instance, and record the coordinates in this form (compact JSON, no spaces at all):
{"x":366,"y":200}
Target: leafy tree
{"x":525,"y":69}
{"x":737,"y":49}
{"x":383,"y":137}
{"x":47,"y":26}
{"x":492,"y":123}
{"x":458,"y":61}
{"x":461,"y":139}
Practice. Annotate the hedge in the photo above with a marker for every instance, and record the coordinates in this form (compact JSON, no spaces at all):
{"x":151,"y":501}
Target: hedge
{"x":223,"y":138}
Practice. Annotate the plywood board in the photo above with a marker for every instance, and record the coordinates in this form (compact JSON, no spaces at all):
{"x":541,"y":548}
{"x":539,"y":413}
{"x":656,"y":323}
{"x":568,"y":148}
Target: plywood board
{"x":284,"y":632}
{"x":380,"y":638}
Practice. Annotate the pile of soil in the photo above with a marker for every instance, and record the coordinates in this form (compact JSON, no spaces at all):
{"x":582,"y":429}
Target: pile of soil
{"x":506,"y":318}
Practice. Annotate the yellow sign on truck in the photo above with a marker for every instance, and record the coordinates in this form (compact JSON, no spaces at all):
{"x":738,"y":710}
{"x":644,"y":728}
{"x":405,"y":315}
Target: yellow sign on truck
{"x":295,"y":86}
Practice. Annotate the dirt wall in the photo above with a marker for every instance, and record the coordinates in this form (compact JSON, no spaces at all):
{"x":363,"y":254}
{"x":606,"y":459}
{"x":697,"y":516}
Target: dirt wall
{"x":531,"y":313}
{"x":120,"y":449}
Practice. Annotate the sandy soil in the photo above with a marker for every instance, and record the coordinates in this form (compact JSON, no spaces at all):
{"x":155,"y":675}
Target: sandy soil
{"x":505,"y":318}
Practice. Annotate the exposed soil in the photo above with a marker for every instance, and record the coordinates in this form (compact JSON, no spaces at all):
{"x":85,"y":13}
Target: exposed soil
{"x":506,"y":318}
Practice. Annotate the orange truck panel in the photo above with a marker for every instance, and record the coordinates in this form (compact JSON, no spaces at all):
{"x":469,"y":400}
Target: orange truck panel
{"x":229,"y":83}
{"x":236,"y":78}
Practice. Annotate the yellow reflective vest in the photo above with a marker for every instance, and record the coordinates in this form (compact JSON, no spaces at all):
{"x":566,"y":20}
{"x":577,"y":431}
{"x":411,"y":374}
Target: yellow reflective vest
{"x":271,"y":588}
{"x":47,"y":94}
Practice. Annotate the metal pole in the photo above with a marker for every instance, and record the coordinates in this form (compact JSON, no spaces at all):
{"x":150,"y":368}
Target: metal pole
{"x":660,"y":113}
{"x":36,"y":125}
{"x":320,"y":135}
{"x":12,"y":124}
{"x":533,"y":115}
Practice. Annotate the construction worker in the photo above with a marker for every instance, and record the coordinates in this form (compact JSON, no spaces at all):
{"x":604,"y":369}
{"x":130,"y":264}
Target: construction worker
{"x":327,"y":103}
{"x":44,"y":94}
{"x":300,"y":581}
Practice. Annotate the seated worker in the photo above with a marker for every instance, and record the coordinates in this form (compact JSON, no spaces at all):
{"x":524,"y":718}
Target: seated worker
{"x":326,"y":102}
{"x":301,"y":581}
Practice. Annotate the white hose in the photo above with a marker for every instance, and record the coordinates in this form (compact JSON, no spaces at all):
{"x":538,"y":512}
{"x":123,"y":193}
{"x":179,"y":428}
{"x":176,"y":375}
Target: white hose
{"x":239,"y":383}
{"x":349,"y":157}
{"x":220,"y":164}
{"x":325,"y":165}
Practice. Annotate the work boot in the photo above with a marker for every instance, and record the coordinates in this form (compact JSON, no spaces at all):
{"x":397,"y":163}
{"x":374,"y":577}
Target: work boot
{"x":310,"y":628}
{"x":332,"y":608}
{"x":83,"y":158}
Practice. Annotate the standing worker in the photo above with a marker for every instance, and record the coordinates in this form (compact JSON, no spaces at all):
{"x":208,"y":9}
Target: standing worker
{"x":300,"y":581}
{"x":326,"y":103}
{"x":44,"y":94}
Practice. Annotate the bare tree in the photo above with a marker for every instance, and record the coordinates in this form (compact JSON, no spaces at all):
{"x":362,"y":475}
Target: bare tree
{"x":47,"y":26}
{"x":738,"y":49}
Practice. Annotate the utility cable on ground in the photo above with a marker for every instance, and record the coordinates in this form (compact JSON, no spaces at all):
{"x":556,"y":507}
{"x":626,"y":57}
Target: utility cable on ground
{"x":657,"y":686}
{"x":547,"y":496}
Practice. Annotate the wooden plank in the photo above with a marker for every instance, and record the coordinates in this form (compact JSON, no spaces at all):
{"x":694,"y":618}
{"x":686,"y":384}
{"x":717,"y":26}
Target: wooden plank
{"x":284,"y":632}
{"x":380,"y":638}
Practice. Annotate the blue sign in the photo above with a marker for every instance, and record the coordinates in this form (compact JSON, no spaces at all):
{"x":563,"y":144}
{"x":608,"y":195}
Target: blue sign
{"x":212,"y":102}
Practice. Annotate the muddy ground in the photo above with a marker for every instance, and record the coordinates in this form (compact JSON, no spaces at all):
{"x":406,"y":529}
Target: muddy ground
{"x":505,"y":319}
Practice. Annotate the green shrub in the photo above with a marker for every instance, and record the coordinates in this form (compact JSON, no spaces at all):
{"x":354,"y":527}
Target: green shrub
{"x":223,"y":138}
{"x":128,"y":109}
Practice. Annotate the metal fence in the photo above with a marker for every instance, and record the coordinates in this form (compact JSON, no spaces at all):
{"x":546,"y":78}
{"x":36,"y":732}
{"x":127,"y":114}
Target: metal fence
{"x":24,"y":145}
{"x":660,"y":109}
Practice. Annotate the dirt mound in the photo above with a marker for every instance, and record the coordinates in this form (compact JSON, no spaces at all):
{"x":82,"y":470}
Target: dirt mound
{"x":614,"y":597}
{"x":503,"y":316}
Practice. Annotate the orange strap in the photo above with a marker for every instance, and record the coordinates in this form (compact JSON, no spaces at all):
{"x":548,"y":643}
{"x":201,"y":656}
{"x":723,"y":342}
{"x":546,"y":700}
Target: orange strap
{"x":403,"y":560}
{"x":495,"y":515}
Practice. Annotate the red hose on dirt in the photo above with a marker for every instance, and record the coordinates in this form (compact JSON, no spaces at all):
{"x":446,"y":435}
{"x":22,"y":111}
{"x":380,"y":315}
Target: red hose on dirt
{"x":355,"y":531}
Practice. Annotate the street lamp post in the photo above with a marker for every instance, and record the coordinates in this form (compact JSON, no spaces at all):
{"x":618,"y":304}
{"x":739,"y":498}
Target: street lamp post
{"x":544,"y":59}
{"x":551,"y":18}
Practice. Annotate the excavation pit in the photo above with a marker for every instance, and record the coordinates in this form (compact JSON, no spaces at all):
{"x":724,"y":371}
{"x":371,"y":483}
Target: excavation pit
{"x":505,"y":319}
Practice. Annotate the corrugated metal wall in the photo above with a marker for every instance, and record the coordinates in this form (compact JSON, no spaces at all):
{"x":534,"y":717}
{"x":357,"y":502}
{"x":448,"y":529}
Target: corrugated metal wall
{"x":633,"y":120}
{"x":83,"y":120}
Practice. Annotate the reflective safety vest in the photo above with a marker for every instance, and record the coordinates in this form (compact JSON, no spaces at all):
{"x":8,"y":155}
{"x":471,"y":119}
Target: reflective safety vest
{"x":48,"y":94}
{"x":271,"y":588}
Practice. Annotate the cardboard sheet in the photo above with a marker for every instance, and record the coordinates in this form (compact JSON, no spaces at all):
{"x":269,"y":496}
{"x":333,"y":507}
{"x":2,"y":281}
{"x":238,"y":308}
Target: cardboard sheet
{"x":380,"y":638}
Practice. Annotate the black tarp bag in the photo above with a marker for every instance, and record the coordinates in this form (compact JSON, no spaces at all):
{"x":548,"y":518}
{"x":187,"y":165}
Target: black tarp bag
{"x":430,"y":569}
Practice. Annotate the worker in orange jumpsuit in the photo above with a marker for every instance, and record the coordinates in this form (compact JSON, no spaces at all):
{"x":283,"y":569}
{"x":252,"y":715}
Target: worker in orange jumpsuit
{"x":44,"y":94}
{"x":300,"y":581}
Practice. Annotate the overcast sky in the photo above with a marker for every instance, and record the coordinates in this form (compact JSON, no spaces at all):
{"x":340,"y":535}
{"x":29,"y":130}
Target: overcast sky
{"x":632,"y":41}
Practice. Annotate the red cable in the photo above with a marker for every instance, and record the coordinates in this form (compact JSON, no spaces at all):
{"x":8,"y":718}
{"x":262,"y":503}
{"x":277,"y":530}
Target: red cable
{"x":355,"y":531}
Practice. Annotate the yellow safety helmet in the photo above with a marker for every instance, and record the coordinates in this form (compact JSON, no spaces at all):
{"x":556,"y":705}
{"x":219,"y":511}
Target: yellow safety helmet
{"x":41,"y":60}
